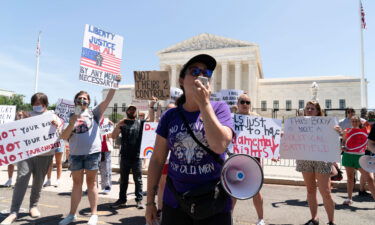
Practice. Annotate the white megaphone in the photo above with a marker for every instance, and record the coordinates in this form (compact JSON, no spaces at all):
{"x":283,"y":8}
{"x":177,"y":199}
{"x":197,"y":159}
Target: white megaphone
{"x":367,"y":163}
{"x":242,"y":176}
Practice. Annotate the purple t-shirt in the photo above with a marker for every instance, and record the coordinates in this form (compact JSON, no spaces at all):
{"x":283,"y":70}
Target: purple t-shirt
{"x":189,"y":164}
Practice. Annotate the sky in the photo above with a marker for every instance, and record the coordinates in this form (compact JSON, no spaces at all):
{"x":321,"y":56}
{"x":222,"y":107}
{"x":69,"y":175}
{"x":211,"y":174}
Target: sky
{"x":297,"y":38}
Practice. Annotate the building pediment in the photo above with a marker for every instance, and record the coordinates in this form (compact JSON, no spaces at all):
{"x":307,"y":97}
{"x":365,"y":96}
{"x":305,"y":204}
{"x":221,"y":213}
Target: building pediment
{"x":206,"y":41}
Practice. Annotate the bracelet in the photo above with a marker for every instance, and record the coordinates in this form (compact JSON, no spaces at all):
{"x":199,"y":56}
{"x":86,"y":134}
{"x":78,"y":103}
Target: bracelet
{"x":150,"y":203}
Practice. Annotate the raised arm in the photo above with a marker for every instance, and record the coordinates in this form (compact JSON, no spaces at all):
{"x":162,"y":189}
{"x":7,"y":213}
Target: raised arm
{"x":116,"y":131}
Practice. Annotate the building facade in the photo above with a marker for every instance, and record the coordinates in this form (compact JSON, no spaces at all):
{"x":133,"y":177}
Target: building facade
{"x":239,"y":67}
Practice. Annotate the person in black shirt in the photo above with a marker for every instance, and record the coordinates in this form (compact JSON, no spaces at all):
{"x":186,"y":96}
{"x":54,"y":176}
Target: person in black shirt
{"x":131,"y":136}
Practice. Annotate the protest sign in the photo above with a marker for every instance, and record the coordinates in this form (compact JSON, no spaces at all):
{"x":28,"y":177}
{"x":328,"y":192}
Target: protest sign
{"x":101,"y":57}
{"x":26,"y":138}
{"x":150,"y":84}
{"x":148,"y":139}
{"x":356,"y":140}
{"x":230,"y":96}
{"x":7,"y":113}
{"x":216,"y":96}
{"x":142,"y":105}
{"x":106,"y":126}
{"x":256,"y":136}
{"x":64,"y":108}
{"x":310,"y":138}
{"x":175,"y":94}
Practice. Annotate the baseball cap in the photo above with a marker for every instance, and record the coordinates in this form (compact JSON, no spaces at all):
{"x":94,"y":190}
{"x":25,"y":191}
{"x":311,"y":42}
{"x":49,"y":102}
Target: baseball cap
{"x":131,"y":106}
{"x":207,"y":60}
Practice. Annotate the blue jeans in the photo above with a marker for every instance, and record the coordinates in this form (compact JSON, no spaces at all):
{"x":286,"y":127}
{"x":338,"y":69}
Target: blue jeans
{"x":87,"y":162}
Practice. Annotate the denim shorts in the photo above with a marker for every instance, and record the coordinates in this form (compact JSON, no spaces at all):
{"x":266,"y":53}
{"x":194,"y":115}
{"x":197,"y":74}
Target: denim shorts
{"x":87,"y":162}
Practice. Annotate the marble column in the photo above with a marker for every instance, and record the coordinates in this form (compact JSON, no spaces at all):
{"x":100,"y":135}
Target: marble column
{"x":253,"y":83}
{"x":213,"y":81}
{"x":224,"y":75}
{"x":174,"y":75}
{"x":237,"y":75}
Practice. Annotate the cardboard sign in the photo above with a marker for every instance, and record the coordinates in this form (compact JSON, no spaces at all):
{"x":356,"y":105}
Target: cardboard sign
{"x":106,"y":126}
{"x":175,"y":94}
{"x":26,"y":138}
{"x":7,"y":113}
{"x":356,"y":141}
{"x":230,"y":96}
{"x":64,"y":108}
{"x":215,"y":96}
{"x":310,"y":138}
{"x":150,"y":84}
{"x":256,"y":136}
{"x":148,"y":139}
{"x":101,"y":57}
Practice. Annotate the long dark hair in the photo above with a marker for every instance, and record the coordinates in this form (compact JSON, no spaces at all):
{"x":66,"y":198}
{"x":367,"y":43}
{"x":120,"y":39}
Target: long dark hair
{"x":182,"y":99}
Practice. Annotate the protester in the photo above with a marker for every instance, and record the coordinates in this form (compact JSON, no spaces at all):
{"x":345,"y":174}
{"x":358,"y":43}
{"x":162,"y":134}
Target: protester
{"x":83,"y":134}
{"x":19,"y":115}
{"x":345,"y":124}
{"x":131,"y":136}
{"x":244,"y":108}
{"x":350,"y":158}
{"x":58,"y":158}
{"x":213,"y":126}
{"x":36,"y":166}
{"x":317,"y":174}
{"x":105,"y":166}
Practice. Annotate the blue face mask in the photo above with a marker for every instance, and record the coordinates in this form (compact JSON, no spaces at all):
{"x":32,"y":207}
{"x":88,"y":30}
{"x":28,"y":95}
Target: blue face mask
{"x":38,"y":108}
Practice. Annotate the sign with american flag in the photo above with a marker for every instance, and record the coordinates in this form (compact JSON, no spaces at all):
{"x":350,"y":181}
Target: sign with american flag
{"x":101,"y":57}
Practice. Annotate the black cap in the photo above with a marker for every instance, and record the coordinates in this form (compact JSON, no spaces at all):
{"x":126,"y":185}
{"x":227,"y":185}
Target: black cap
{"x":207,"y":60}
{"x":131,"y":106}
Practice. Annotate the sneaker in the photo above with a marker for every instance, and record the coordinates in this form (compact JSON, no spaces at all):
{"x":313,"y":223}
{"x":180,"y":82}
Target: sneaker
{"x":312,"y":222}
{"x":47,"y":183}
{"x":57,"y":183}
{"x":364,"y":194}
{"x":117,"y":204}
{"x":93,"y":220}
{"x":105,"y":191}
{"x":8,"y":183}
{"x":261,"y":222}
{"x":10,"y":219}
{"x":67,"y":220}
{"x":140,"y":205}
{"x":34,"y":212}
{"x":347,"y":202}
{"x":331,"y":223}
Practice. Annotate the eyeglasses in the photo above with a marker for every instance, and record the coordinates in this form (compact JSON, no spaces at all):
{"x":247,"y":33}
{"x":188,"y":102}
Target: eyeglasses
{"x":195,"y":71}
{"x":242,"y":102}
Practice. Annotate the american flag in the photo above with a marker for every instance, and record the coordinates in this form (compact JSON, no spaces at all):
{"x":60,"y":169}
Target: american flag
{"x":363,"y":21}
{"x":100,"y":61}
{"x":38,"y":45}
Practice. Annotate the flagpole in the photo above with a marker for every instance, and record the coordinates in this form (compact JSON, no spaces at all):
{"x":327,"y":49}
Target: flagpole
{"x":363,"y":84}
{"x":37,"y":63}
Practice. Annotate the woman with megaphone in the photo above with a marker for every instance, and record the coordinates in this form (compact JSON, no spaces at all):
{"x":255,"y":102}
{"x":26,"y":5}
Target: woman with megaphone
{"x":244,"y":108}
{"x":196,"y":134}
{"x":83,"y":134}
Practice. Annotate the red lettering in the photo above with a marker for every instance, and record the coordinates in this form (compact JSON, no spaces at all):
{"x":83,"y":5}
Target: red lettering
{"x":147,"y":127}
{"x":94,"y":47}
{"x":12,"y":158}
{"x":13,"y":130}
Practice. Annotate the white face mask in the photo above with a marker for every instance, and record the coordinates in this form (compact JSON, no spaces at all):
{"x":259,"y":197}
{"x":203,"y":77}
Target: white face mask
{"x":38,"y":108}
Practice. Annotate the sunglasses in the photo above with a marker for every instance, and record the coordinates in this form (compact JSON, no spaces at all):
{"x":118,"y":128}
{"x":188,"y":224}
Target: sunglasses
{"x":195,"y":71}
{"x":242,"y":102}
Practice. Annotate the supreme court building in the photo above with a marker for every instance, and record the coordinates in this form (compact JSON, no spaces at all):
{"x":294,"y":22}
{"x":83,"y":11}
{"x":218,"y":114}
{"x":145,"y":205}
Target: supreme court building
{"x":239,"y":66}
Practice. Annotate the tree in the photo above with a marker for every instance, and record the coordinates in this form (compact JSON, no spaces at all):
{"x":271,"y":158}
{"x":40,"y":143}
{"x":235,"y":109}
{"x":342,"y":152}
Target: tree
{"x":16,"y":100}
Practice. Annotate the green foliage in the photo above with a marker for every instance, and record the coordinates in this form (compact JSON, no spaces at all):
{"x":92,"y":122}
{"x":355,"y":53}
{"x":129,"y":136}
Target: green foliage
{"x":115,"y":117}
{"x":16,"y":100}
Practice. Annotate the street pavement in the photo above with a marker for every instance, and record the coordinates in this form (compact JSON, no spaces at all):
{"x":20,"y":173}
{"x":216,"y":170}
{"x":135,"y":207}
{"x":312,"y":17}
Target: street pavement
{"x":283,"y":204}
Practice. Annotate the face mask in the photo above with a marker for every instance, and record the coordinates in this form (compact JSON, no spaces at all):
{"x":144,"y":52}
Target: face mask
{"x":38,"y":108}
